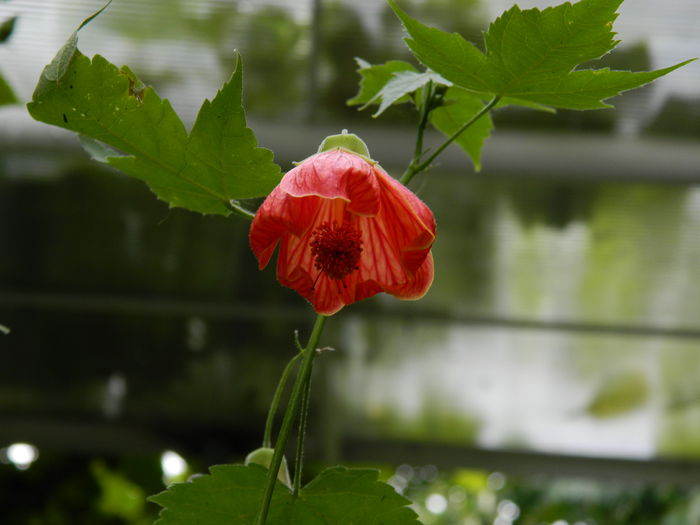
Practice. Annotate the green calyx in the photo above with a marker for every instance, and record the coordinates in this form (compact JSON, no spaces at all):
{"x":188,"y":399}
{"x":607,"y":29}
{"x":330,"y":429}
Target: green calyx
{"x":346,"y":141}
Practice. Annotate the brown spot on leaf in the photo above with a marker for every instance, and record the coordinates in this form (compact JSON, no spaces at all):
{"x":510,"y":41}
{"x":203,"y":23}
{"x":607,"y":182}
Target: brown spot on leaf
{"x":135,"y":91}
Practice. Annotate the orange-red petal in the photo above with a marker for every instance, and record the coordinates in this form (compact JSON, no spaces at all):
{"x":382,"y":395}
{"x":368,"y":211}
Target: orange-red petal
{"x":336,"y":174}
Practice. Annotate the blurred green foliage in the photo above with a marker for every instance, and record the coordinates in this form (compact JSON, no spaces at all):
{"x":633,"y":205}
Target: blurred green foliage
{"x":77,"y":491}
{"x":678,"y":117}
{"x":478,"y":498}
{"x":119,"y":496}
{"x":343,"y":36}
{"x":74,"y":490}
{"x":7,"y":95}
{"x":620,"y":393}
{"x":275,"y":62}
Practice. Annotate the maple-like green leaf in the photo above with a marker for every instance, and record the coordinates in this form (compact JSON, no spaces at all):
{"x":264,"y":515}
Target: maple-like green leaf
{"x":217,"y":162}
{"x":531,"y":55}
{"x":375,"y":77}
{"x":231,"y":495}
{"x":125,"y":124}
{"x":459,"y":107}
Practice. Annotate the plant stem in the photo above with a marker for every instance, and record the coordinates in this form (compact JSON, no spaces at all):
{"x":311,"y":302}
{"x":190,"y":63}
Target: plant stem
{"x":239,"y":210}
{"x":425,"y":109}
{"x":414,"y":168}
{"x":267,"y":437}
{"x":303,"y":417}
{"x":289,"y":415}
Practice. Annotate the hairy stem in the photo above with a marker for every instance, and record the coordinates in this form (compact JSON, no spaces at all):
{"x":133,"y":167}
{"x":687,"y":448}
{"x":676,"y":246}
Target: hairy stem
{"x":289,"y":416}
{"x":303,"y":416}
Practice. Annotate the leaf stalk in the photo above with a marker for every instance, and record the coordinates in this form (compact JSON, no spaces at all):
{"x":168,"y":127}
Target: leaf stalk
{"x":239,"y":210}
{"x":416,"y":166}
{"x":267,"y":436}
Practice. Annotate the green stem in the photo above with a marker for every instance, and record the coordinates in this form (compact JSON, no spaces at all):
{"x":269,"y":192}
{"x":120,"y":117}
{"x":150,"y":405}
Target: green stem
{"x":239,"y":210}
{"x":267,"y":437}
{"x":303,"y":417}
{"x":426,"y":108}
{"x":413,"y":169}
{"x":289,"y":415}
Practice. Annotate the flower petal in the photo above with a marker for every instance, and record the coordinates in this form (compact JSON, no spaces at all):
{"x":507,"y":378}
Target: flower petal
{"x":396,"y":244}
{"x":279,"y":215}
{"x":336,"y":174}
{"x":401,"y":205}
{"x":327,"y":298}
{"x":419,"y":285}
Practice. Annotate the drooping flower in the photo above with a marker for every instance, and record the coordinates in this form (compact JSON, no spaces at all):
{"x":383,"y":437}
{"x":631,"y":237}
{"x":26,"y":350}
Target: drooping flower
{"x":347,"y":230}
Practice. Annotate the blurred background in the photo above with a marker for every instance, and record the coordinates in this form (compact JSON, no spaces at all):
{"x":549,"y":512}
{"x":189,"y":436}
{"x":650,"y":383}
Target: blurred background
{"x":551,"y":375}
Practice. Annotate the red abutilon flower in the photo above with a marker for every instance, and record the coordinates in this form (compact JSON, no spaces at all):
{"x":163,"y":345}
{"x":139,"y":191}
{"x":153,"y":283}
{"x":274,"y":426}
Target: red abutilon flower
{"x":346,"y":229}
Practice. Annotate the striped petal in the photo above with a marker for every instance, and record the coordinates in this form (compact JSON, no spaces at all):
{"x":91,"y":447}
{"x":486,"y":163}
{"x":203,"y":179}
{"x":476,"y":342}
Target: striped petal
{"x":336,"y":174}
